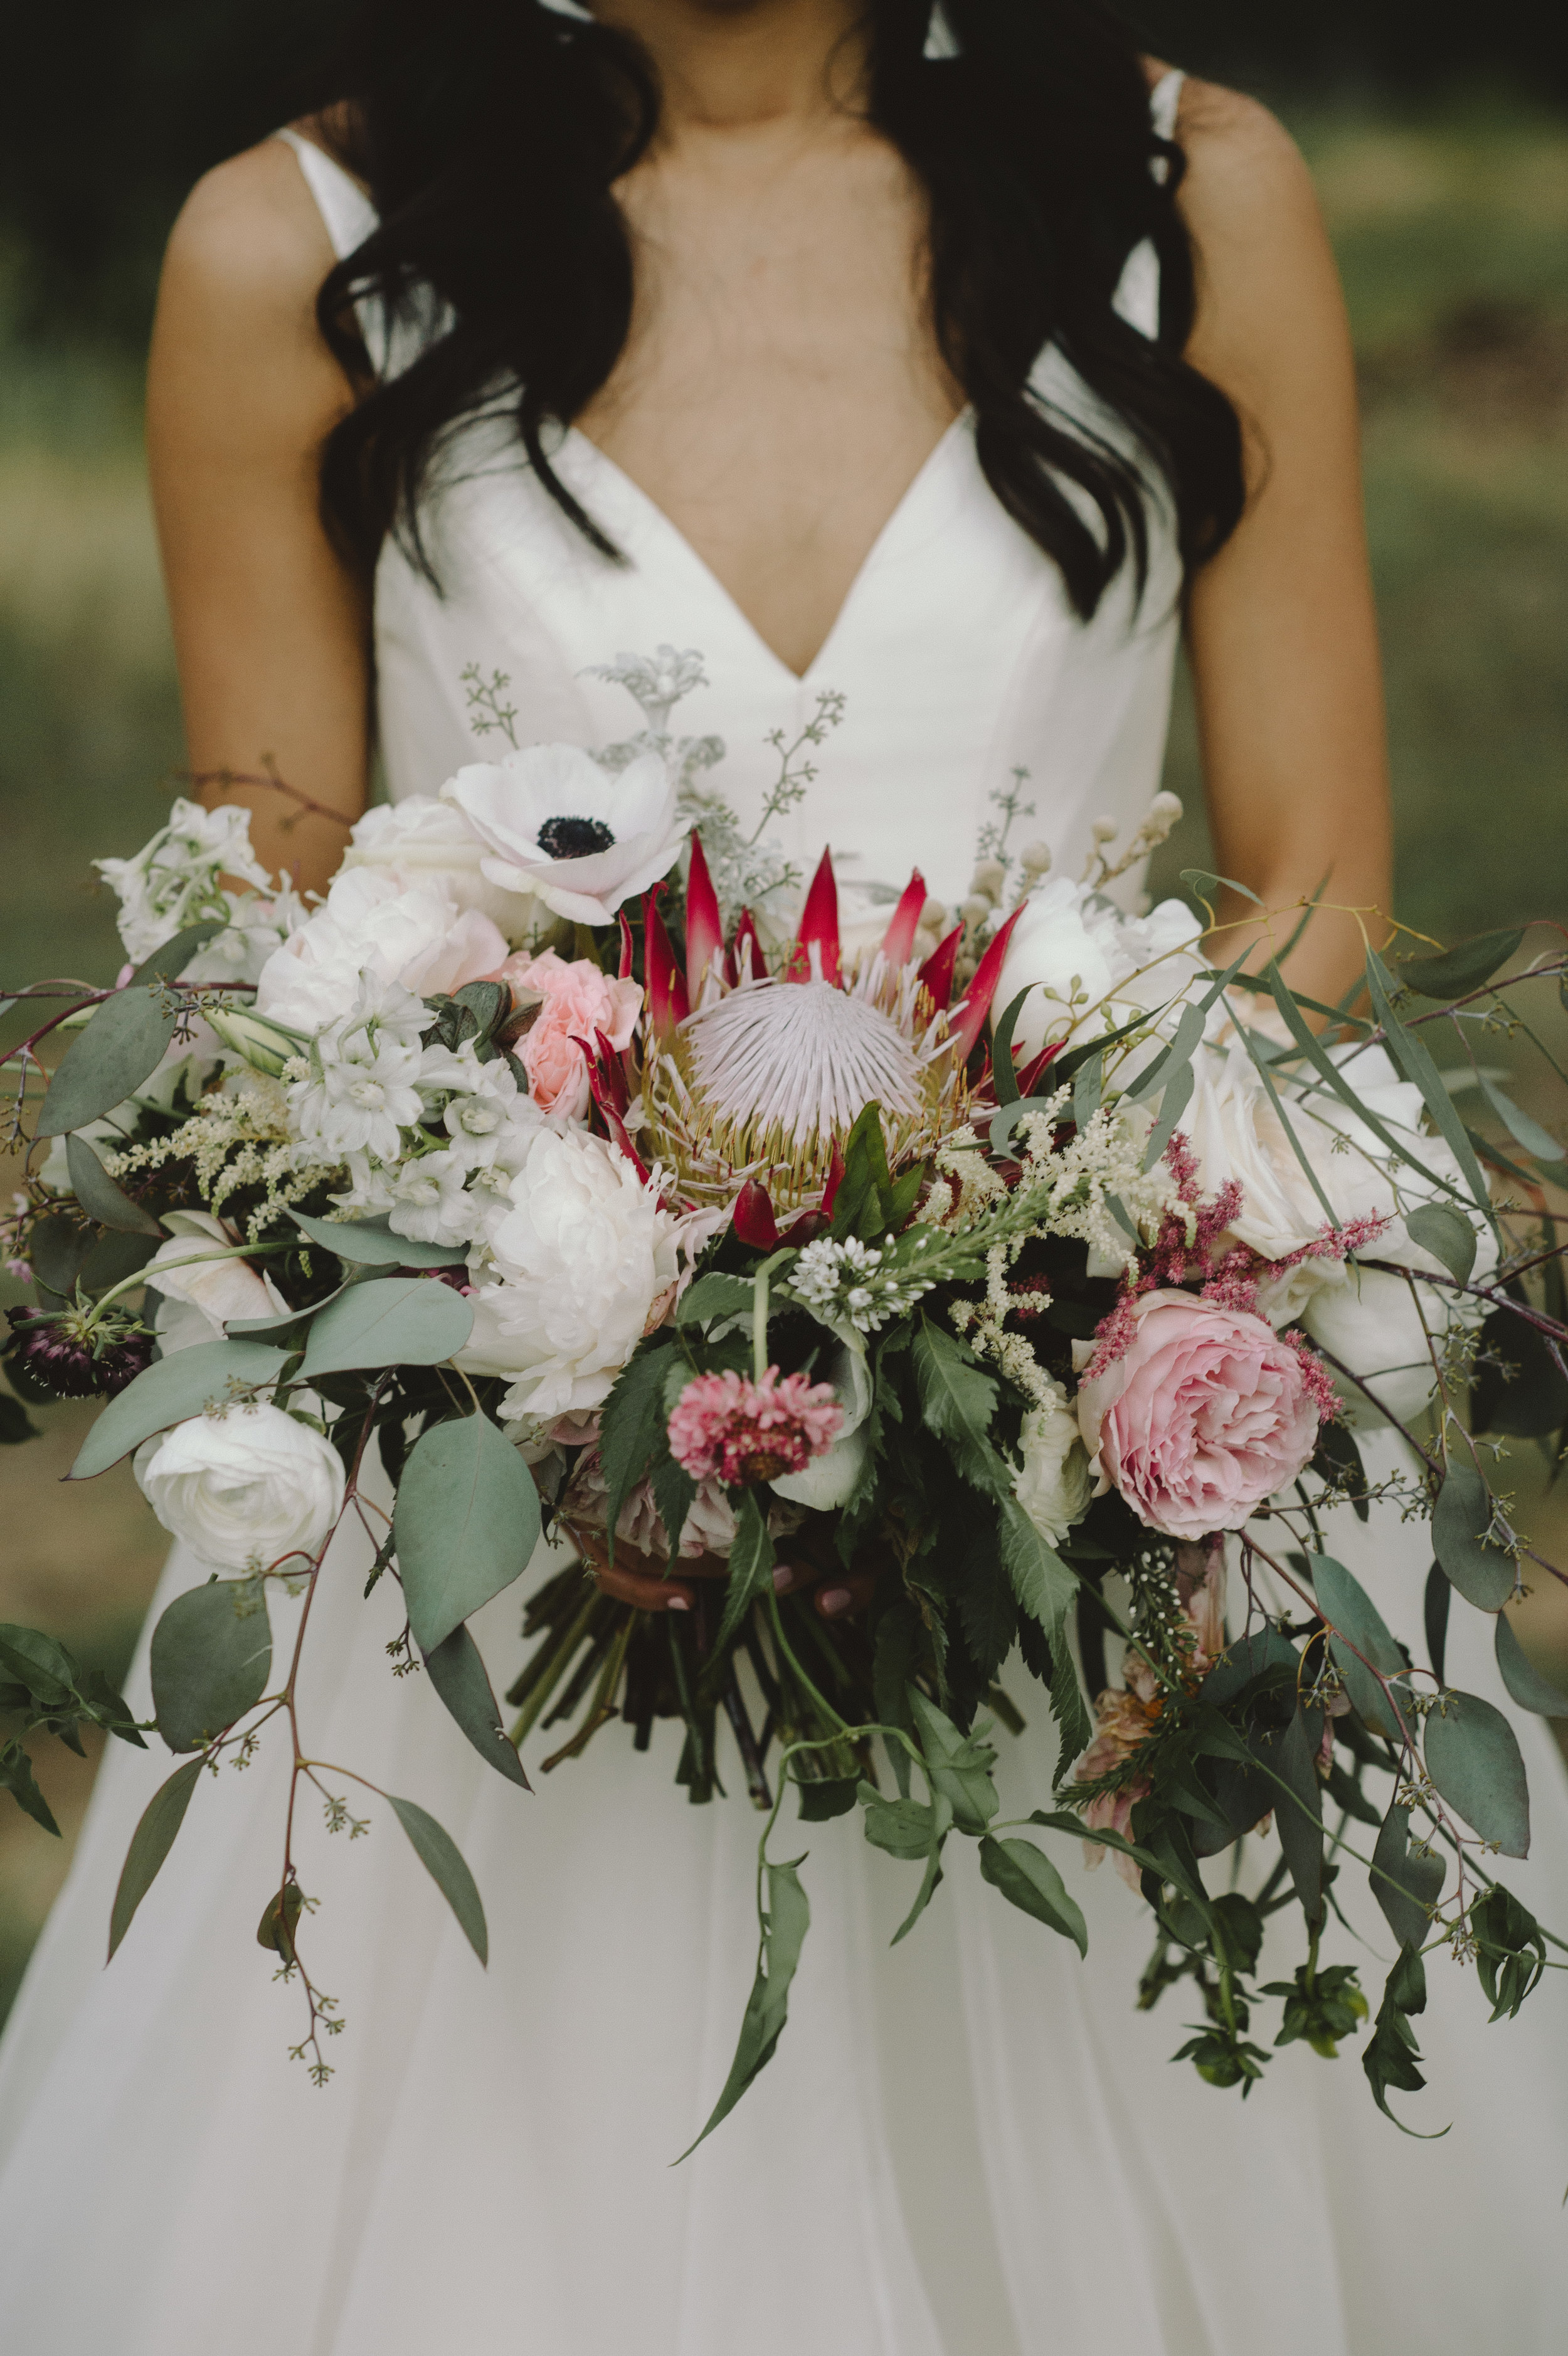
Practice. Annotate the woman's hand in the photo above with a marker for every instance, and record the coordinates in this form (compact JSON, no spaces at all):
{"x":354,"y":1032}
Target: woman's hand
{"x":639,"y":1579}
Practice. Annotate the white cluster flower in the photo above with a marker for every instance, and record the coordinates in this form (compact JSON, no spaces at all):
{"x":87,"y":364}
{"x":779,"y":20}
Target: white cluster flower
{"x":173,"y":881}
{"x":1102,"y":1162}
{"x":847,"y":1279}
{"x":362,"y":1092}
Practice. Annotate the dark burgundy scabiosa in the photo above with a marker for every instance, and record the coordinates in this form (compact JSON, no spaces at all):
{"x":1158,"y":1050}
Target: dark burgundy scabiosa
{"x":76,"y":1360}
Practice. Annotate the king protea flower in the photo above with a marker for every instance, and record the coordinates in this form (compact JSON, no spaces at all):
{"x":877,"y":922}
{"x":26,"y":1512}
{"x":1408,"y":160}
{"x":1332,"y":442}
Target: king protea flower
{"x":751,"y":1073}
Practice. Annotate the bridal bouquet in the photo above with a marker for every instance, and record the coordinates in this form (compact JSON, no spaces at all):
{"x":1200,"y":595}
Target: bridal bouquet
{"x":566,"y":1169}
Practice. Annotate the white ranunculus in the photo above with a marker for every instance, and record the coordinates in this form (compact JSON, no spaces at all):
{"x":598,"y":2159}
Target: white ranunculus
{"x":172,"y":881}
{"x":372,"y":925}
{"x":425,"y":842}
{"x":580,"y":836}
{"x":245,"y":1488}
{"x":1090,"y":968}
{"x":574,"y":1262}
{"x":1368,"y":1320}
{"x":199,"y":1298}
{"x":1053,"y":1485}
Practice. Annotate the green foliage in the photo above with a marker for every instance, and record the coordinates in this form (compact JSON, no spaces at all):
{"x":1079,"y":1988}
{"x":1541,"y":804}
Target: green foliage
{"x":1523,"y":1680}
{"x":150,"y":1844}
{"x":1461,"y":1526}
{"x":959,"y":1765}
{"x":1406,"y":1880}
{"x":42,"y":1686}
{"x":458,"y":1675}
{"x":279,"y":1918}
{"x":209,"y":1375}
{"x":101,"y":1196}
{"x":123,"y":1040}
{"x":752,"y":1562}
{"x":1455,"y":973}
{"x":785,"y":1921}
{"x":211,"y":1655}
{"x":959,"y":1403}
{"x":1027,"y":1878}
{"x":1392,"y":2057}
{"x":1321,"y":2004}
{"x":1360,"y":1644}
{"x":440,"y":1855}
{"x":634,"y":1426}
{"x":1413,"y":1061}
{"x":367,"y":1244}
{"x":1447,"y":1234}
{"x":465,"y":1523}
{"x":1473,"y":1757}
{"x":1511,"y":1952}
{"x":389,"y":1321}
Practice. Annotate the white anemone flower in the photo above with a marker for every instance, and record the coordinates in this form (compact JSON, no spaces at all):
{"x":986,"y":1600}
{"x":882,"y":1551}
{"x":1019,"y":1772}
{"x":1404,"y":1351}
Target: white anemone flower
{"x":579,"y":837}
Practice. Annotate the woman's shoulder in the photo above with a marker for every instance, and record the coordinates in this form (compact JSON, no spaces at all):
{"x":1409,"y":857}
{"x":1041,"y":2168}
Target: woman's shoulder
{"x":250,"y":236}
{"x":1241,"y":162}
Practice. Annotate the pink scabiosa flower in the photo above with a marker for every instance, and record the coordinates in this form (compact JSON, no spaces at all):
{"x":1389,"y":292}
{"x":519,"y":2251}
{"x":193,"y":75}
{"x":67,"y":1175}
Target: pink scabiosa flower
{"x":727,"y":1427}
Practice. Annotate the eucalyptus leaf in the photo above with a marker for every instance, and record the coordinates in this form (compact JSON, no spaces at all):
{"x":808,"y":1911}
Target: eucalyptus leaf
{"x":1410,"y":1056}
{"x":17,"y":1777}
{"x":1524,"y":1681}
{"x":150,"y":1844}
{"x":784,"y":1925}
{"x":122,"y":1044}
{"x":458,"y":1675}
{"x":1298,"y":1809}
{"x":1461,"y":1521}
{"x":1249,"y":1658}
{"x":1473,"y":1757}
{"x":1454,"y":972}
{"x":1027,"y":1878}
{"x":100,"y":1197}
{"x":1524,"y":1130}
{"x":211,"y":1655}
{"x":443,"y":1859}
{"x":1361,"y":1638}
{"x":171,"y":1390}
{"x":369,"y":1245}
{"x":466,"y":1522}
{"x":1447,"y":1234}
{"x":389,"y":1321}
{"x":1406,"y":1882}
{"x":37,"y":1661}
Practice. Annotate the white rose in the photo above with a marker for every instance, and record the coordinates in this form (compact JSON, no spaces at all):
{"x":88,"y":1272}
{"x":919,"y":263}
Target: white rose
{"x":373,"y":925}
{"x":1369,"y":1320}
{"x":422,"y":840}
{"x":1054,"y":1486}
{"x":246,"y":1488}
{"x":576,"y":1260}
{"x":1094,"y":966}
{"x":199,"y":1298}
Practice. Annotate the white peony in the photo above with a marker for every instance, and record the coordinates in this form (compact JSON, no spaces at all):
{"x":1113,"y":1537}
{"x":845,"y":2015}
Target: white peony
{"x":246,"y":1488}
{"x":422,"y":841}
{"x":373,"y":924}
{"x":1054,"y":1486}
{"x":201,"y":1297}
{"x":578,"y":1253}
{"x":1089,"y":967}
{"x":580,"y":836}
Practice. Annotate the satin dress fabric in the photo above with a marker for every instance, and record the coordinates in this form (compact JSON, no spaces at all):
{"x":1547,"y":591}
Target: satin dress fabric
{"x":972,"y":2145}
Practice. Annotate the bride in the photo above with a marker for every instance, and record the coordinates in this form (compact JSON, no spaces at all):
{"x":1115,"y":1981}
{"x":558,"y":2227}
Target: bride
{"x":954,"y":361}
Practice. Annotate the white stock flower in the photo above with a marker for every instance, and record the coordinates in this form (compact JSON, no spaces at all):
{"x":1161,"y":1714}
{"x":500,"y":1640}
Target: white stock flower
{"x":1053,"y":1485}
{"x":363,"y":1089}
{"x":578,"y":1252}
{"x":172,"y":881}
{"x":429,"y":1202}
{"x":575,"y":834}
{"x":1095,"y":966}
{"x":246,"y":1487}
{"x":201,"y":1297}
{"x":424,"y":842}
{"x":373,"y":925}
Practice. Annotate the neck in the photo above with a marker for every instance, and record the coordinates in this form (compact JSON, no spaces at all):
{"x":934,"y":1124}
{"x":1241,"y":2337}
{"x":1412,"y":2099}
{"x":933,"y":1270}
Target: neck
{"x":737,"y":65}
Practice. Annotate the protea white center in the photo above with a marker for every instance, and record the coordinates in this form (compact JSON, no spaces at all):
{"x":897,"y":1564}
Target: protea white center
{"x":767,"y":1078}
{"x":802,"y":1058}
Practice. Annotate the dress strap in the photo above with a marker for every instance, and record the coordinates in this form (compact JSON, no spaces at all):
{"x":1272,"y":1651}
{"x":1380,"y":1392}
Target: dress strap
{"x":1165,"y":101}
{"x":346,"y":210}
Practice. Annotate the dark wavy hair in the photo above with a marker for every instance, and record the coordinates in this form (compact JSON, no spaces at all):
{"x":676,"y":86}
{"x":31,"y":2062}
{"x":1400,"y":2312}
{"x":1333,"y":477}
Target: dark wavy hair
{"x":490,"y":132}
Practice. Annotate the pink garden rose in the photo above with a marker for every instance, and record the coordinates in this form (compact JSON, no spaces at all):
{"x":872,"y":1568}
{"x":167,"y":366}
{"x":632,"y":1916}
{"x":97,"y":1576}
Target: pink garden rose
{"x":1202,"y":1415}
{"x":578,"y":1001}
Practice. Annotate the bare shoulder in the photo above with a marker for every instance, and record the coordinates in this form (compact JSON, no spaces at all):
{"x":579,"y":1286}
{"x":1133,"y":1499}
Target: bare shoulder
{"x":250,"y":239}
{"x":1246,"y":180}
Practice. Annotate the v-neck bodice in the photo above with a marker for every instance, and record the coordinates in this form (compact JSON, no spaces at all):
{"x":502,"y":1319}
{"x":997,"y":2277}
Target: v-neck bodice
{"x":958,"y":657}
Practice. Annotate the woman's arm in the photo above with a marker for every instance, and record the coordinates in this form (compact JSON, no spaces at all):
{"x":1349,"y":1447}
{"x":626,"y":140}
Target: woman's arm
{"x":1281,"y":632}
{"x":272,"y":627}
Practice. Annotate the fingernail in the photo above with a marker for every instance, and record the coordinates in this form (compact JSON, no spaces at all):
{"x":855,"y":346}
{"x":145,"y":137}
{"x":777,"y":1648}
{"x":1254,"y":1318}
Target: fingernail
{"x":836,"y":1599}
{"x":783,"y":1576}
{"x":677,"y":1603}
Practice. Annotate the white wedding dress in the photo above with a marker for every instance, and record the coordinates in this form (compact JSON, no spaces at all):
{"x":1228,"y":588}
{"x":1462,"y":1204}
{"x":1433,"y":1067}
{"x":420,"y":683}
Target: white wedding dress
{"x":969,"y":2146}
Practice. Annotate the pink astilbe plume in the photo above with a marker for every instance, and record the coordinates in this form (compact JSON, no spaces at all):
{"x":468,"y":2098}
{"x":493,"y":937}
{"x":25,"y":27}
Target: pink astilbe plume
{"x":727,"y":1427}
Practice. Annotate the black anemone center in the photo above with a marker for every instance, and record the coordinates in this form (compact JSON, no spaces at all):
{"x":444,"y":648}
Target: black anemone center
{"x":574,"y":838}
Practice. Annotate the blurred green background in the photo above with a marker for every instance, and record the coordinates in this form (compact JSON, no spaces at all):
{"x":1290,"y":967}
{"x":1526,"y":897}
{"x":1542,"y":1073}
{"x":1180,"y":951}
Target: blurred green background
{"x":1441,"y":154}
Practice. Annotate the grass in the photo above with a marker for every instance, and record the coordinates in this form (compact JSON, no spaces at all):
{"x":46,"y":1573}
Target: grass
{"x":1453,"y":234}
